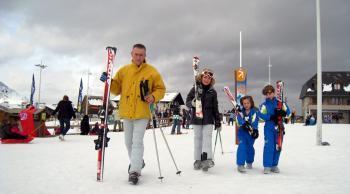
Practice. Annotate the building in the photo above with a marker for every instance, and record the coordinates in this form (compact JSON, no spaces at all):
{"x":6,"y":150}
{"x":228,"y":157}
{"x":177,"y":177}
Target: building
{"x":169,"y":99}
{"x":335,"y":97}
{"x":94,"y":105}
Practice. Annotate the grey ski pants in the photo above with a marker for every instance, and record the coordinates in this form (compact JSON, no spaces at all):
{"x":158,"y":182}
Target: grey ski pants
{"x":203,"y":141}
{"x":134,"y":131}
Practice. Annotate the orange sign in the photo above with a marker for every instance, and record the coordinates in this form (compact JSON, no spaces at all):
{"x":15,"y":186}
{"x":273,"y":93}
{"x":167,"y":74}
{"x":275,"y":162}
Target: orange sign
{"x":240,"y":74}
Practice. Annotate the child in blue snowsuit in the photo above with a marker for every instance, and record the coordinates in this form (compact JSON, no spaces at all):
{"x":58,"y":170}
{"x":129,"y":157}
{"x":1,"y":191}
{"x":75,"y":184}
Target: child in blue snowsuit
{"x":247,"y":133}
{"x":269,"y":113}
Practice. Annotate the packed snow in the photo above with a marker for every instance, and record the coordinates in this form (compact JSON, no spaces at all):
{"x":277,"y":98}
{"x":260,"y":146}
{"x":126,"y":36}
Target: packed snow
{"x":347,"y":88}
{"x":327,"y":87}
{"x":47,"y":165}
{"x":310,"y":90}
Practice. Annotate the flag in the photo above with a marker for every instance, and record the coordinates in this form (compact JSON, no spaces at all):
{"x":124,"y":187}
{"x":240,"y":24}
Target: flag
{"x":32,"y":91}
{"x":80,"y":96}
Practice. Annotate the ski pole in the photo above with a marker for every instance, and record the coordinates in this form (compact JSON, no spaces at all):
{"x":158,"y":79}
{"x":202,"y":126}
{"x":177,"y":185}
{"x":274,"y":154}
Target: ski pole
{"x":155,"y":144}
{"x":178,"y":172}
{"x":216,"y":139}
{"x":222,"y":151}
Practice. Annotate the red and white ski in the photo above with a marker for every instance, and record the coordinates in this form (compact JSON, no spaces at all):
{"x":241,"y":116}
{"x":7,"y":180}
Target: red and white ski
{"x":230,"y":97}
{"x":102,"y":140}
{"x":280,"y":126}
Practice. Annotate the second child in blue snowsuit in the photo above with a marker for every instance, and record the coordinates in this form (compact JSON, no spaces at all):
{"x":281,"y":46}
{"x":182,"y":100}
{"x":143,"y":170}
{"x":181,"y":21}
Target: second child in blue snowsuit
{"x":269,"y":113}
{"x":247,"y":133}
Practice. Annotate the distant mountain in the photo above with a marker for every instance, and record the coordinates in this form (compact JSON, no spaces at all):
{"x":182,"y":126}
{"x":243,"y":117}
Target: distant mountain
{"x":10,"y":96}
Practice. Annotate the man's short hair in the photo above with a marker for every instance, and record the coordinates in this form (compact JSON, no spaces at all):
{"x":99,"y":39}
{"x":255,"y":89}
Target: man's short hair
{"x":140,"y":46}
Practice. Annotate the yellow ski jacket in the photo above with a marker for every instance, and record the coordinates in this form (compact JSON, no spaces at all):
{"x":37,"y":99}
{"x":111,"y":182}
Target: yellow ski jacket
{"x":126,"y":82}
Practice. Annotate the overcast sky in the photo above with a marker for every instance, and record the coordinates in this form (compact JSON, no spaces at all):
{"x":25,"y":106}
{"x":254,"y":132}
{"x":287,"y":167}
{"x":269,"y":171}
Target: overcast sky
{"x":70,"y":37}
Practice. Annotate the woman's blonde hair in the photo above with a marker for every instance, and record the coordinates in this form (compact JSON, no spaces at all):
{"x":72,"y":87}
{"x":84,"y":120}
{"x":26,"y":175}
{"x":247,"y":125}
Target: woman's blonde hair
{"x":199,"y":77}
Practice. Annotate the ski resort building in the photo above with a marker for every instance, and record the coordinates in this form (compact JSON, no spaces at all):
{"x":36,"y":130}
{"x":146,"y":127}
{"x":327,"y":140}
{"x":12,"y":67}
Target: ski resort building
{"x":335,"y":97}
{"x":169,"y":99}
{"x":94,"y":105}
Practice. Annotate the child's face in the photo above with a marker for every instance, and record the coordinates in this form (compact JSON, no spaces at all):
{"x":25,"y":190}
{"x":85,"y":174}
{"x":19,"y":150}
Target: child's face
{"x":246,"y":104}
{"x":270,"y":95}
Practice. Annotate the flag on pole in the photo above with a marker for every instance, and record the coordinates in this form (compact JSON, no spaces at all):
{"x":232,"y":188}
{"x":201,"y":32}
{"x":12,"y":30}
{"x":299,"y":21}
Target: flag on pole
{"x":32,"y":91}
{"x":80,"y":96}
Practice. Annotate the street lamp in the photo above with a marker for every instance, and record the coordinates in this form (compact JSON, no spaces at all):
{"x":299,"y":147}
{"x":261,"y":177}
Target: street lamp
{"x":41,"y":66}
{"x":269,"y":70}
{"x":87,"y":93}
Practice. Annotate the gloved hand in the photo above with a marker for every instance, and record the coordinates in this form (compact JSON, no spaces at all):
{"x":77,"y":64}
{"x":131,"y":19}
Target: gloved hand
{"x":238,"y":108}
{"x":255,"y":134}
{"x":103,"y":77}
{"x":274,"y":118}
{"x":193,"y":102}
{"x":280,"y":112}
{"x":246,"y":126}
{"x":218,"y":126}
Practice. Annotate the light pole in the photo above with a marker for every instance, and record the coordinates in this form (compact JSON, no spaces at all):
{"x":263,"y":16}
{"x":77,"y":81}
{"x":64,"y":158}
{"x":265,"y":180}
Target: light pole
{"x":319,"y":77}
{"x":269,"y":70}
{"x":41,"y":66}
{"x":240,"y":49}
{"x":87,"y":93}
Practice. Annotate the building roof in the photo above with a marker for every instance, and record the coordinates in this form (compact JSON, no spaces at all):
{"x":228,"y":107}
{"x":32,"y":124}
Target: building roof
{"x":334,"y":84}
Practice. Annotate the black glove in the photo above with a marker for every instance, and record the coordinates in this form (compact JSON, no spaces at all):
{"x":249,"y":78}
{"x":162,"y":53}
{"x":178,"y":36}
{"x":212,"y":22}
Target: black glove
{"x":255,"y":134}
{"x":103,"y":77}
{"x":238,"y":108}
{"x":274,"y":118}
{"x":217,"y":126}
{"x":246,"y":126}
{"x":280,"y":112}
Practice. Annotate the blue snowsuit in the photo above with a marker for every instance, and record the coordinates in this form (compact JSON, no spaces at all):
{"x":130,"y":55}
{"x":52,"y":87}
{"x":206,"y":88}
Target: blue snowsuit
{"x":245,"y":150}
{"x":267,"y":110}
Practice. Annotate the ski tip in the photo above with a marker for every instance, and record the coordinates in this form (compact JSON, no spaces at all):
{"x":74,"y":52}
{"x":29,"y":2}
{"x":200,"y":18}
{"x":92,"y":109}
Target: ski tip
{"x":178,"y":172}
{"x":111,"y":47}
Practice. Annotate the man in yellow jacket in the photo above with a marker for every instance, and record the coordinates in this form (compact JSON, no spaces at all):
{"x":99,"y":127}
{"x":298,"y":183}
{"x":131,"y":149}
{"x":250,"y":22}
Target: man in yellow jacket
{"x":139,"y":85}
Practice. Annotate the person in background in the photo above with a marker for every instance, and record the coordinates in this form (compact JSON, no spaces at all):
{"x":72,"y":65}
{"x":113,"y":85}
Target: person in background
{"x":176,"y":120}
{"x":231,"y":118}
{"x":292,"y":117}
{"x":117,"y":120}
{"x":85,"y":125}
{"x":65,"y":114}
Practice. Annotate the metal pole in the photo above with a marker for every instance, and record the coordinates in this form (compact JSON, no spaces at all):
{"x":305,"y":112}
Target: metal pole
{"x":87,"y":94}
{"x":41,"y":66}
{"x":319,"y":77}
{"x":39,"y":86}
{"x":270,"y":70}
{"x":240,"y":48}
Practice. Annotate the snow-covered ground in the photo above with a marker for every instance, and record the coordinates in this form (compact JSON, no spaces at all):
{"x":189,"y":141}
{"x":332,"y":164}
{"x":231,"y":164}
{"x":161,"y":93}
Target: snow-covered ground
{"x":49,"y":166}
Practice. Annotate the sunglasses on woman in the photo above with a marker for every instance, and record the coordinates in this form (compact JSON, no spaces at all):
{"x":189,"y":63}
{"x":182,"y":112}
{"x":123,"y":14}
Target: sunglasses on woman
{"x":208,"y":73}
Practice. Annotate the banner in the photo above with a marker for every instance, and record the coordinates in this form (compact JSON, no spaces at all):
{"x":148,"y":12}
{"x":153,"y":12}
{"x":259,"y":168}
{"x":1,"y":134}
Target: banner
{"x":32,"y":91}
{"x":80,"y":96}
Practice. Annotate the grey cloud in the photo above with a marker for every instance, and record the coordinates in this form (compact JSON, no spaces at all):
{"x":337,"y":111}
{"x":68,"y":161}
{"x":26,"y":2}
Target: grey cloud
{"x":76,"y":32}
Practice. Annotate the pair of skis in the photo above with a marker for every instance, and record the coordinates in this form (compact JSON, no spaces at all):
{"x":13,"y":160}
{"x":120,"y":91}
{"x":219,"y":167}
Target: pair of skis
{"x":236,"y":106}
{"x":101,"y":142}
{"x":197,"y":88}
{"x":280,"y":126}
